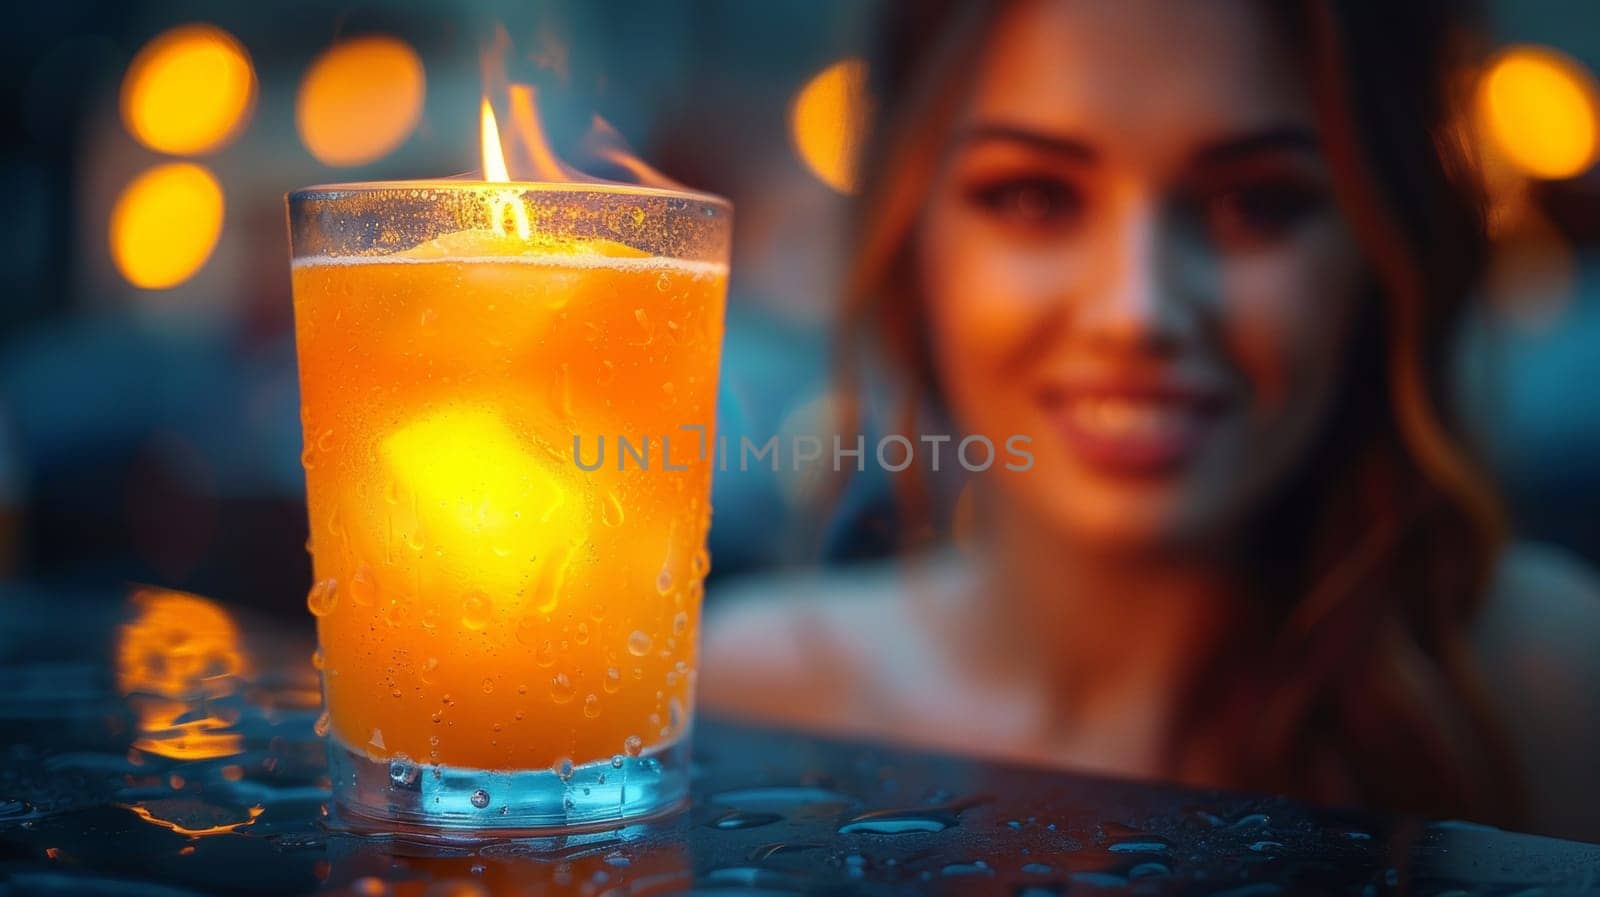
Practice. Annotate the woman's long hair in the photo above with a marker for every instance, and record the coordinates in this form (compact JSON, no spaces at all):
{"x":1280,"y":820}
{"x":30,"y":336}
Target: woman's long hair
{"x":1358,"y":683}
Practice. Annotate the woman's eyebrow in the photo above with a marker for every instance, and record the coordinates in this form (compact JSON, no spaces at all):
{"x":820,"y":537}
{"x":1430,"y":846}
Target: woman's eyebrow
{"x":1271,"y":141}
{"x":1000,"y":132}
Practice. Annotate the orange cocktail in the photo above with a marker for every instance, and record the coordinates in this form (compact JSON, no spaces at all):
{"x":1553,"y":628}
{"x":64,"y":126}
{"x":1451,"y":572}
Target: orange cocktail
{"x":487,"y":604}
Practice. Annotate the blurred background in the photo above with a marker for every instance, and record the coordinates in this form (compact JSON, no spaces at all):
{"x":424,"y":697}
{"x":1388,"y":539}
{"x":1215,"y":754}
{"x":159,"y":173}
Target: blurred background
{"x":149,"y":426}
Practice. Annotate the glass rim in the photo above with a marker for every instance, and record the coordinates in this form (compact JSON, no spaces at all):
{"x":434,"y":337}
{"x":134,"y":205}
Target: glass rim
{"x":355,"y":188}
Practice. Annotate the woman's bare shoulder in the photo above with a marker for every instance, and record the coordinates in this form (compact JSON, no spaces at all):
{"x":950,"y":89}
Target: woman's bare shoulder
{"x":1545,"y":603}
{"x":1539,"y":639}
{"x":807,"y":647}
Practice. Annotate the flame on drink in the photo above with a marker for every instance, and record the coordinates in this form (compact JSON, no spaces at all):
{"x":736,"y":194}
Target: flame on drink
{"x":494,"y":156}
{"x":525,"y":151}
{"x":507,"y":213}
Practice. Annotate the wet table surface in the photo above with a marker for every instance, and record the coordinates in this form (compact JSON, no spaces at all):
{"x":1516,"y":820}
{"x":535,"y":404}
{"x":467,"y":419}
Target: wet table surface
{"x":160,"y":744}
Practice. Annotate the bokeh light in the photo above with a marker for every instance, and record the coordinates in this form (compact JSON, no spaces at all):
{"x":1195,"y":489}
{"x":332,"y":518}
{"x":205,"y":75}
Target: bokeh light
{"x":165,"y":224}
{"x":189,"y":91}
{"x":360,"y":100}
{"x":1539,"y":108}
{"x":827,"y":121}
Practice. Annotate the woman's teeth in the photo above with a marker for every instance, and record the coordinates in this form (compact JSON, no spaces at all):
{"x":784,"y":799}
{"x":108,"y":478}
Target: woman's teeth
{"x":1135,"y":418}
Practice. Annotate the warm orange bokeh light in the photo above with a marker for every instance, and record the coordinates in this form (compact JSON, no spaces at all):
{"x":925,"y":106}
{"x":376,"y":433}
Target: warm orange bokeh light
{"x":827,"y":121}
{"x":1539,"y":108}
{"x":178,"y":653}
{"x":188,"y":91}
{"x":165,"y":224}
{"x":360,"y":100}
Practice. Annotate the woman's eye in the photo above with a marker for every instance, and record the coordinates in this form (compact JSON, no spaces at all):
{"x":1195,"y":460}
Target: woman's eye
{"x":1033,"y":202}
{"x":1256,"y":214}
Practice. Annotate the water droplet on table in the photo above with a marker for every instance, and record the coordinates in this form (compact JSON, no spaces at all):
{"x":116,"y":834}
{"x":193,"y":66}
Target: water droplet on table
{"x":897,"y":822}
{"x":741,"y":819}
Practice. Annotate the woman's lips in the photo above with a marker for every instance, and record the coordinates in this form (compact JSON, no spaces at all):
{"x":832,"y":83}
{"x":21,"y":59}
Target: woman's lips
{"x":1139,"y":427}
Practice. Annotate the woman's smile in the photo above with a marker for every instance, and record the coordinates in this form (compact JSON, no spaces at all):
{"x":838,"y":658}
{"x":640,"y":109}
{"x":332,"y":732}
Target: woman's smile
{"x":1139,"y":424}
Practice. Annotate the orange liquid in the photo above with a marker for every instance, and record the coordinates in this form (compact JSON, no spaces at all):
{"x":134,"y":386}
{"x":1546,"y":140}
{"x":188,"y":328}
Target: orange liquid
{"x":481,"y":599}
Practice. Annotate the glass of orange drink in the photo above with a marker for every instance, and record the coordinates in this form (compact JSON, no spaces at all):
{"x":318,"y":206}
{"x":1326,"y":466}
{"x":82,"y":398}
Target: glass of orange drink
{"x":507,"y":397}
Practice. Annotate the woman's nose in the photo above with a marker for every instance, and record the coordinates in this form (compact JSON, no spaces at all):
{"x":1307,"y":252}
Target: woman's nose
{"x":1137,"y":301}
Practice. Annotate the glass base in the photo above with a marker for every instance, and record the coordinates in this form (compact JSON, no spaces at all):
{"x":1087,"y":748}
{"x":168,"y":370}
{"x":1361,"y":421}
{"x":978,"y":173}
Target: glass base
{"x":454,"y":801}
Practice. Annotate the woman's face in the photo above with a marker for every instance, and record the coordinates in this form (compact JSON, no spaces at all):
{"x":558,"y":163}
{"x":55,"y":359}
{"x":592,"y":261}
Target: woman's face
{"x":1131,"y":254}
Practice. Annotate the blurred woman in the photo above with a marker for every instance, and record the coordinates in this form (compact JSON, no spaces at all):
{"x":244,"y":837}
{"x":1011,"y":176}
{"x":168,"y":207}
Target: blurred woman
{"x":1207,"y":257}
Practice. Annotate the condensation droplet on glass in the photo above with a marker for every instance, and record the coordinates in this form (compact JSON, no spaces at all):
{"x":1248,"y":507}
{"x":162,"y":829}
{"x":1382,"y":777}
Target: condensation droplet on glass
{"x":616,"y":761}
{"x":613,"y":681}
{"x":664,"y":581}
{"x":321,"y":725}
{"x":632,"y":745}
{"x":488,"y":686}
{"x":680,"y":623}
{"x":561,"y":689}
{"x":402,"y":772}
{"x":527,"y":632}
{"x":638,"y":643}
{"x":429,"y":670}
{"x":363,"y":587}
{"x":701,"y":563}
{"x":323,"y":597}
{"x":480,"y":798}
{"x":562,"y":768}
{"x":582,"y":635}
{"x":591,"y":706}
{"x":317,"y":660}
{"x":475,"y":611}
{"x":611,"y":510}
